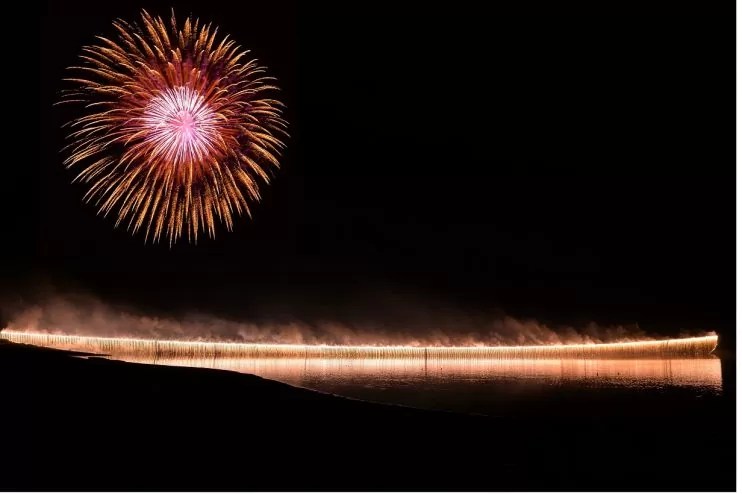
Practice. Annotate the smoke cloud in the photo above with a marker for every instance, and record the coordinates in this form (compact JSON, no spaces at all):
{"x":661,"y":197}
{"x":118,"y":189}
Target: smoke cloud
{"x":88,"y":316}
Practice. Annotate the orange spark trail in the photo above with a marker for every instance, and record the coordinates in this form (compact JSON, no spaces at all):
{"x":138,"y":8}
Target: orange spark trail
{"x":695,"y":347}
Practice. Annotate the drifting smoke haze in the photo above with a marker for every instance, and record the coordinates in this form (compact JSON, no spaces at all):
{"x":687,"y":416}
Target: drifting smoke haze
{"x":87,"y":316}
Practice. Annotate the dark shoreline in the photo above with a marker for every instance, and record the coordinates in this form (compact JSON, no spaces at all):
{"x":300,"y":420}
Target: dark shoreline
{"x":72,"y":423}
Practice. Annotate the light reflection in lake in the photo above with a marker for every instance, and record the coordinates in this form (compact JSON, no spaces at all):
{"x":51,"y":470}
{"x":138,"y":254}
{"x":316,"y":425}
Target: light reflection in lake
{"x":483,"y":386}
{"x":682,"y":372}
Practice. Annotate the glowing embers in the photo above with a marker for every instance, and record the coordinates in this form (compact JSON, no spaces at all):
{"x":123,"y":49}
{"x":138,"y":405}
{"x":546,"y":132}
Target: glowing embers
{"x":181,"y":127}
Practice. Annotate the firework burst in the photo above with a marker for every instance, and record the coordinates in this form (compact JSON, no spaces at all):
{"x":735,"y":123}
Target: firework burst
{"x":179,"y":129}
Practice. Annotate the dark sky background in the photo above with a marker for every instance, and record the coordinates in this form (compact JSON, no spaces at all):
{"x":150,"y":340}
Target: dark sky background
{"x":567,"y":165}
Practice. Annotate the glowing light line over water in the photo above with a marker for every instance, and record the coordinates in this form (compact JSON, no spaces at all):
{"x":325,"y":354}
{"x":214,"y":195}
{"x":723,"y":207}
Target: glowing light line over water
{"x":695,"y":347}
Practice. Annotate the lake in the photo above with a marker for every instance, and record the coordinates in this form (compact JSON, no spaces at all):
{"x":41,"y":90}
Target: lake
{"x":491,"y":387}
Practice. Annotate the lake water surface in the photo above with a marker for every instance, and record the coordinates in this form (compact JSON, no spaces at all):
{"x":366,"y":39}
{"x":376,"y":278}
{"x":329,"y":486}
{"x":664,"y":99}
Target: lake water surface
{"x":491,"y":387}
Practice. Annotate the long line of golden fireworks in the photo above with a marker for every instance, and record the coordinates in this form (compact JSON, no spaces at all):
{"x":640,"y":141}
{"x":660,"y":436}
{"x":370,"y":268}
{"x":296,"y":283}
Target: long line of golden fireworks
{"x":671,"y":348}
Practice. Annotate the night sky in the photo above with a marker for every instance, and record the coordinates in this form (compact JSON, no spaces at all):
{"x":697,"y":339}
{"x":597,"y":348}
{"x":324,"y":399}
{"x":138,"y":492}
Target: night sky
{"x":564,"y":165}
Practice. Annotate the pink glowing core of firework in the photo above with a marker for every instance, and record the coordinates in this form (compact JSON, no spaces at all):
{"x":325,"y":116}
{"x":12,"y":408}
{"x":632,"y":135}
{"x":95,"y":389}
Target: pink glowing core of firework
{"x":181,"y":127}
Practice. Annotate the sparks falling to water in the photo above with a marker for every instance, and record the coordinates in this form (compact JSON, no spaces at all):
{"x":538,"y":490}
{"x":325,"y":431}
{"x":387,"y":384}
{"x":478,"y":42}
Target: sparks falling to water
{"x":673,"y":348}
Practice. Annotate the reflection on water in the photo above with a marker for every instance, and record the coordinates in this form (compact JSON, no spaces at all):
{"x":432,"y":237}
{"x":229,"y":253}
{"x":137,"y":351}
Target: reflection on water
{"x":647,"y":373}
{"x":483,"y":386}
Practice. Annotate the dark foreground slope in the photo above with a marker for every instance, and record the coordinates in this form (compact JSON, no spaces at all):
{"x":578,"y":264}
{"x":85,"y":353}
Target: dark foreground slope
{"x":72,"y":423}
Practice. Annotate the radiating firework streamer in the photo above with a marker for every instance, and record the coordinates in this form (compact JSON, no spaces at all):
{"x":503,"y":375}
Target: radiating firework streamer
{"x":179,"y":129}
{"x":697,"y":347}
